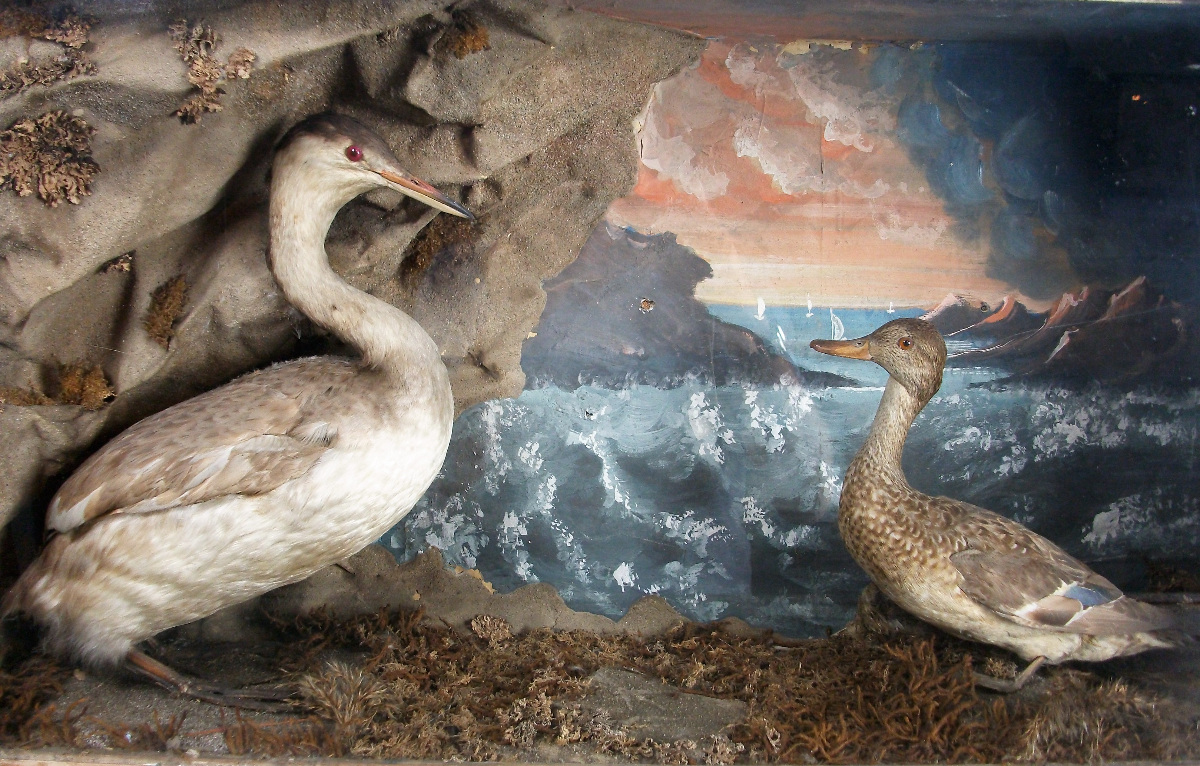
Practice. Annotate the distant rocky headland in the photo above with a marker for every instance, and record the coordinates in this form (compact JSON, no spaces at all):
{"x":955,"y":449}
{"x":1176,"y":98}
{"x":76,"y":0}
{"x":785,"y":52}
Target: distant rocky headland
{"x":625,"y":313}
{"x":1132,"y":334}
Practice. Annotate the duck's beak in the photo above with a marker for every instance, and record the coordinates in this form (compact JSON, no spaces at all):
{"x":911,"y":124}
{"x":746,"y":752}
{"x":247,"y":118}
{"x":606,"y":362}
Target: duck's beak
{"x":859,"y":348}
{"x":419,"y":190}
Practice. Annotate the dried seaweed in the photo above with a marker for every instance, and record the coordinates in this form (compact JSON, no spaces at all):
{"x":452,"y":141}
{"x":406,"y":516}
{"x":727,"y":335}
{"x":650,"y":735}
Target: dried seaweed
{"x":84,"y":385}
{"x":166,"y":305}
{"x":196,"y":43}
{"x":70,"y":31}
{"x":48,"y":155}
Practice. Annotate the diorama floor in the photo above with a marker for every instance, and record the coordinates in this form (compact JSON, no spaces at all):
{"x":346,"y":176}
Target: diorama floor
{"x":412,"y":684}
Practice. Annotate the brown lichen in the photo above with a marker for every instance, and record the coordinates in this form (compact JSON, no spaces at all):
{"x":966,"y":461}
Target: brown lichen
{"x":70,"y":31}
{"x":49,"y":155}
{"x":467,"y":37}
{"x":23,"y":397}
{"x":84,"y":385}
{"x":196,"y":43}
{"x":241,"y":64}
{"x":166,"y":305}
{"x":491,"y":629}
{"x":446,"y":237}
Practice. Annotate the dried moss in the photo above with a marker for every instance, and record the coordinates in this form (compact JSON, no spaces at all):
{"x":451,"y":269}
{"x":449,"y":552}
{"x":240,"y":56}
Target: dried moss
{"x":49,"y":155}
{"x":467,"y":37}
{"x":156,"y":735}
{"x":69,"y":31}
{"x":402,"y":686}
{"x":166,"y":305}
{"x":446,"y":237}
{"x":24,"y":693}
{"x":196,"y":43}
{"x":23,"y":397}
{"x":84,"y":385}
{"x":1163,"y":578}
{"x":436,"y":694}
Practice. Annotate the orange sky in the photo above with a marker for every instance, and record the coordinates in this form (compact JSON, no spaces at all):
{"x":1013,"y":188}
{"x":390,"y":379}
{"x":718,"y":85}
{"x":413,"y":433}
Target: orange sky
{"x":780,"y":167}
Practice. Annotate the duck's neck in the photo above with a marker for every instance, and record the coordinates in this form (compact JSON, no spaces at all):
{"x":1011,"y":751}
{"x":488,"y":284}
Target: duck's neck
{"x":303,"y":206}
{"x":879,"y":458}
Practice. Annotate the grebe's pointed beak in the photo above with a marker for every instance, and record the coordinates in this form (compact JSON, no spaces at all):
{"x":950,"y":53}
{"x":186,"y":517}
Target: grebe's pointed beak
{"x":419,"y":190}
{"x":859,"y":348}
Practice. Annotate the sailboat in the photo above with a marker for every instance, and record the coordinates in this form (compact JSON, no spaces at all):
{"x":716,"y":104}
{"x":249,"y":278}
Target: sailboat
{"x":839,"y":329}
{"x":891,"y":307}
{"x":762,"y":309}
{"x":781,"y":337}
{"x":809,"y":314}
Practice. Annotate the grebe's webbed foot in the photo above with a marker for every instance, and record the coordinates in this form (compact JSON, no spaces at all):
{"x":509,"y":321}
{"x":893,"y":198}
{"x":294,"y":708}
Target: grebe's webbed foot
{"x":1006,"y":685}
{"x":267,"y":700}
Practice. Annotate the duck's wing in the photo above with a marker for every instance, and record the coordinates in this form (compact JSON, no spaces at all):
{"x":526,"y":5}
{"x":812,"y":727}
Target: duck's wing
{"x":1025,"y":578}
{"x":245,"y":438}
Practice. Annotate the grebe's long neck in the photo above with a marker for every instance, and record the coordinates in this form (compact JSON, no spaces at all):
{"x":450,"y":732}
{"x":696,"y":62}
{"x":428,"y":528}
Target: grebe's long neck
{"x":303,"y":205}
{"x":879,"y":458}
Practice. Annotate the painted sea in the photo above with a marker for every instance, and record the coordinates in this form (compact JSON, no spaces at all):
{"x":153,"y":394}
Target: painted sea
{"x":723,"y":499}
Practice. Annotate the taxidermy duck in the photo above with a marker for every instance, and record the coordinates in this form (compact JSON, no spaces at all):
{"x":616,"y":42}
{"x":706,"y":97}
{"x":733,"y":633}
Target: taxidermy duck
{"x":269,"y":478}
{"x":964,"y":569}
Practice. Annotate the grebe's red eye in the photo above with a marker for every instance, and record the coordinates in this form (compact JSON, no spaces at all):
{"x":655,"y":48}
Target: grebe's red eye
{"x":353,"y":153}
{"x":904,"y":343}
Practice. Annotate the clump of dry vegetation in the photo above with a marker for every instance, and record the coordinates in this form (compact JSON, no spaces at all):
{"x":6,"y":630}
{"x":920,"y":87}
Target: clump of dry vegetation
{"x":166,"y":305}
{"x":84,"y":385}
{"x":425,"y":691}
{"x":23,"y":397}
{"x":80,"y":384}
{"x":398,"y":685}
{"x":196,"y":43}
{"x":70,"y":31}
{"x":446,"y":238}
{"x":467,"y":36}
{"x":25,"y":692}
{"x":48,"y":155}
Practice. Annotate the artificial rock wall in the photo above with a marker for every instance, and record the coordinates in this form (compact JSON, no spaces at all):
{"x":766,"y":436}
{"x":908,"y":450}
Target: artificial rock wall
{"x":523,"y":111}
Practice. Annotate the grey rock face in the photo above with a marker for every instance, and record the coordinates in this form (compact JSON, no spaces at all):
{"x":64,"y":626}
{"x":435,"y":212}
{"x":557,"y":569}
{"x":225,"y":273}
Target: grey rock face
{"x":533,"y":124}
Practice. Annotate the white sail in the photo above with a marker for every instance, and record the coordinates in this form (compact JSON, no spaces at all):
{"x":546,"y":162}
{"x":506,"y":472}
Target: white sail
{"x":809,"y":307}
{"x":839,"y":329}
{"x":781,"y":337}
{"x":891,"y":307}
{"x":762,"y":310}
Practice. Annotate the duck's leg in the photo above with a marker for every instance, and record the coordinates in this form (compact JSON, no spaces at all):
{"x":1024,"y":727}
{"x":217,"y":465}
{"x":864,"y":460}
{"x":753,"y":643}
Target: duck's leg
{"x":1008,"y":686}
{"x":270,"y":700}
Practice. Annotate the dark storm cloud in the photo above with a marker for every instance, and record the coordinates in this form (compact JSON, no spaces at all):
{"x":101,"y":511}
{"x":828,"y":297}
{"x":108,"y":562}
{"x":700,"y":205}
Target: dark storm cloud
{"x":1077,"y":162}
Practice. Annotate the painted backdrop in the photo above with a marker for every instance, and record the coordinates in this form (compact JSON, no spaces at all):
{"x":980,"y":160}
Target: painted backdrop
{"x":677,"y":436}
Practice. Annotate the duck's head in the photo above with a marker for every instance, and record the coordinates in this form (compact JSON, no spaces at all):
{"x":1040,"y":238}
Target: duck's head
{"x":911,"y":350}
{"x":335,"y":156}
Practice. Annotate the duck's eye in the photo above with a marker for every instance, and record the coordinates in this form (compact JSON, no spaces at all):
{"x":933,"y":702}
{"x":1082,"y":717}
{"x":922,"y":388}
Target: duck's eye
{"x":983,"y":307}
{"x":353,"y":153}
{"x":904,"y":343}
